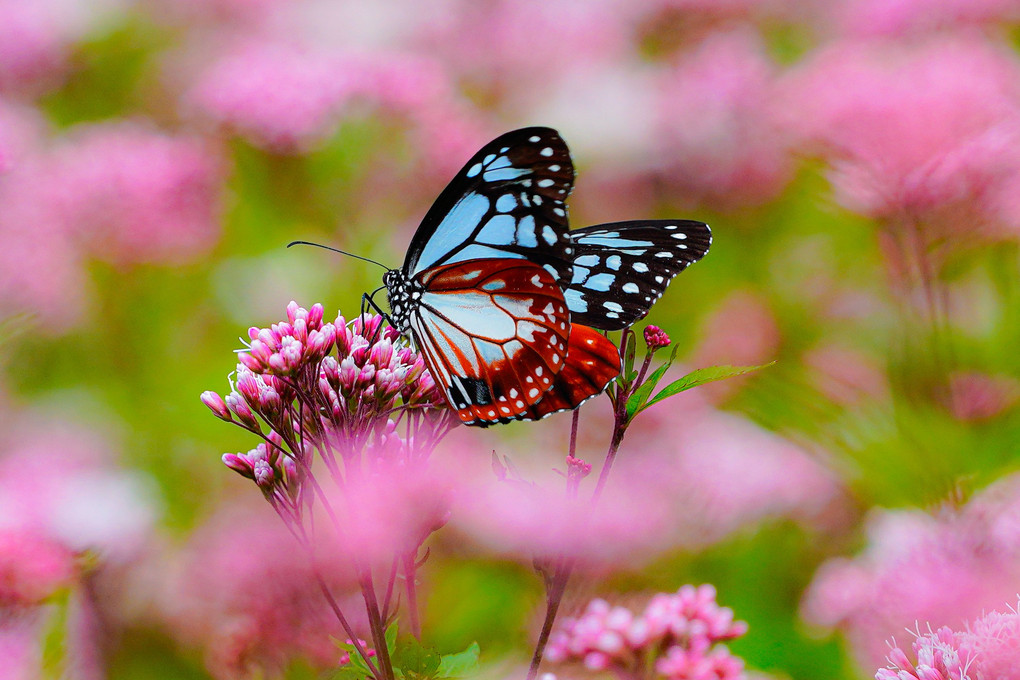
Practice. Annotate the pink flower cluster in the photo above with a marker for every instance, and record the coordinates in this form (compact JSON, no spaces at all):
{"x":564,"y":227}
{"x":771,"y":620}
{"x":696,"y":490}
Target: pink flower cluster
{"x":372,"y":374}
{"x":988,"y":648}
{"x":288,"y":98}
{"x":924,"y":133}
{"x":944,"y":569}
{"x":121,"y":192}
{"x":679,"y":633}
{"x":729,"y":149}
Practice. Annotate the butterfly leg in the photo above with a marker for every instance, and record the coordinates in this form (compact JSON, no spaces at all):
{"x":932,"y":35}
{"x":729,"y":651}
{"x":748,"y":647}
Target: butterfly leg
{"x":367,"y":301}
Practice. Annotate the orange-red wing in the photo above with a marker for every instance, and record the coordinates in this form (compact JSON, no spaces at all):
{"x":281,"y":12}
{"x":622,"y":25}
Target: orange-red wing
{"x":592,"y":363}
{"x":494,"y":334}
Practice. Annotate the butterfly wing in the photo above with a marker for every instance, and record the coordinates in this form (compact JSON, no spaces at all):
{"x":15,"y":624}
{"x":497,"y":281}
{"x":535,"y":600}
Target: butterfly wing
{"x":494,"y":334}
{"x":507,"y":202}
{"x":592,"y":363}
{"x":621,"y":269}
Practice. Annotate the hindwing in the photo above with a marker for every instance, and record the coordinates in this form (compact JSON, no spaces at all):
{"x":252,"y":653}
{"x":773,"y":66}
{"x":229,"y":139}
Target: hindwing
{"x":621,"y":269}
{"x":494,"y":334}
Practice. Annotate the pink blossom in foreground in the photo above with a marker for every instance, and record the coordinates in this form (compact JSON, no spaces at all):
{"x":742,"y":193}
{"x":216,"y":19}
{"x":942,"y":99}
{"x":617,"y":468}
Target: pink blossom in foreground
{"x":680,"y":633}
{"x":943,"y":570}
{"x":901,"y":18}
{"x":377,"y":412}
{"x":988,"y":648}
{"x":244,"y":591}
{"x":722,"y":143}
{"x":133,"y":194}
{"x":686,"y":476}
{"x":921,"y":134}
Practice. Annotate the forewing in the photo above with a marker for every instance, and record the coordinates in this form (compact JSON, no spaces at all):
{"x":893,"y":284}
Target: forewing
{"x":507,"y":202}
{"x":592,"y":363}
{"x":494,"y":334}
{"x":621,"y":269}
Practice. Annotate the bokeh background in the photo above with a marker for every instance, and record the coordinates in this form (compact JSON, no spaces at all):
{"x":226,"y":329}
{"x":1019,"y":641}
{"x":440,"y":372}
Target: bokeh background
{"x":858,"y":162}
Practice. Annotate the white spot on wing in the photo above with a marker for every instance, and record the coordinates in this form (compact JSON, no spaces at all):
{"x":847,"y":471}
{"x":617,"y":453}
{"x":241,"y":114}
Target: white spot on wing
{"x":630,"y":287}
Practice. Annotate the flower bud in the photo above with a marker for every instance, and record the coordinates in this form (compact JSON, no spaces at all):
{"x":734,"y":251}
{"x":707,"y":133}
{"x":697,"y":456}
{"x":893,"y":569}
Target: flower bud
{"x":238,"y":464}
{"x":314,"y":319}
{"x":655,"y":338}
{"x":216,"y":405}
{"x":262,"y":473}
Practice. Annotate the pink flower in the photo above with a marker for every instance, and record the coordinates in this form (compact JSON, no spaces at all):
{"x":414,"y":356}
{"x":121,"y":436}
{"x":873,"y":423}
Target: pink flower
{"x":975,"y":396}
{"x":244,"y":591}
{"x":904,"y":18}
{"x":499,"y":46}
{"x":656,"y":338}
{"x":925,"y":134}
{"x":679,"y":632}
{"x":721,"y":141}
{"x":988,"y":648}
{"x":275,"y":95}
{"x":687,"y":475}
{"x":944,"y":570}
{"x":32,"y":568}
{"x":58,"y":483}
{"x":740,"y":331}
{"x":846,"y":376}
{"x":133,"y":194}
{"x":32,"y":44}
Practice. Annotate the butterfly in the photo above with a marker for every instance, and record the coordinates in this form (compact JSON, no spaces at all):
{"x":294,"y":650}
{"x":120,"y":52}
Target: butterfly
{"x":506,"y":303}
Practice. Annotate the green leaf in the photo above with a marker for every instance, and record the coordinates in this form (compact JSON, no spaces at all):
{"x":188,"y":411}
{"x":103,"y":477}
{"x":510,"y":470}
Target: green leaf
{"x":701,"y":377}
{"x":391,"y":638}
{"x":416,"y":661}
{"x":460,"y":664}
{"x":628,"y":361}
{"x":641,"y":394}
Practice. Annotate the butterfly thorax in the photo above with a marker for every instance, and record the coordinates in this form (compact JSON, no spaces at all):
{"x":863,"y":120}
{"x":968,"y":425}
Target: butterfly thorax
{"x":403,"y":294}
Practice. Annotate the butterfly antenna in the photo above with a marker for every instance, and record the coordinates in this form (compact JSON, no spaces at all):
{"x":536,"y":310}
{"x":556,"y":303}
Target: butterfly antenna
{"x":337,"y":250}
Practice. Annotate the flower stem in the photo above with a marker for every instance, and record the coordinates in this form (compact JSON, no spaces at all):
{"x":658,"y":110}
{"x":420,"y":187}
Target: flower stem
{"x":376,"y":624}
{"x":347,"y":627}
{"x":412,"y":594}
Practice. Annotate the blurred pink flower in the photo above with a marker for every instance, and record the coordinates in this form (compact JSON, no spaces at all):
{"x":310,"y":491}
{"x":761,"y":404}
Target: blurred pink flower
{"x":32,"y":568}
{"x":498,"y":47}
{"x":20,"y":649}
{"x":740,"y":331}
{"x":288,"y":98}
{"x":686,"y":476}
{"x":721,"y":140}
{"x":902,"y":18}
{"x":941,"y":569}
{"x":58,"y":483}
{"x":275,"y":95}
{"x":845,"y":375}
{"x":975,"y":396}
{"x":922,"y":134}
{"x":243,"y":590}
{"x":131,"y":193}
{"x":32,"y":45}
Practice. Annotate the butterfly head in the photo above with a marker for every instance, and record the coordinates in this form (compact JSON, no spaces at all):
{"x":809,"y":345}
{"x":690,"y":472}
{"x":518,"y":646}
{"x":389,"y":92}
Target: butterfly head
{"x":403,"y":295}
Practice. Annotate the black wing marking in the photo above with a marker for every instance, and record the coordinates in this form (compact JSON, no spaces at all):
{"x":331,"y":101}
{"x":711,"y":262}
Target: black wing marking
{"x":508,"y":201}
{"x":621,"y":269}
